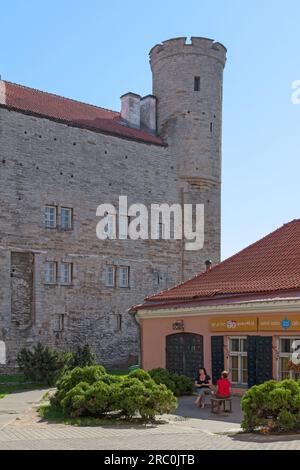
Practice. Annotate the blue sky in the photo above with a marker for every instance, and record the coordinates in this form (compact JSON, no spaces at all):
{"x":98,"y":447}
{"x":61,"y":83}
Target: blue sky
{"x":95,"y":51}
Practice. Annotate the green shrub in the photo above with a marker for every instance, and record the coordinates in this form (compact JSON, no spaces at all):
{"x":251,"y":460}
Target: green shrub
{"x":84,"y":356}
{"x":71,"y":378}
{"x":43,"y":364}
{"x":184,"y":385}
{"x":90,"y":391}
{"x":272,"y":406}
{"x":178,"y":384}
{"x":145,"y":397}
{"x":140,"y":374}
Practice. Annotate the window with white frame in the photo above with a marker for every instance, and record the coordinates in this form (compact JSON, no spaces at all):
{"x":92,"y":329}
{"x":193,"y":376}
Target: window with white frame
{"x":65,"y":273}
{"x":285,"y":355}
{"x":124,"y":276}
{"x":110,"y":276}
{"x":50,"y":272}
{"x":238,"y":366}
{"x":66,"y":218}
{"x":50,"y":213}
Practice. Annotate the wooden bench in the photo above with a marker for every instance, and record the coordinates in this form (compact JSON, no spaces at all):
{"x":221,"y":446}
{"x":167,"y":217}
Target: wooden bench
{"x":216,"y":404}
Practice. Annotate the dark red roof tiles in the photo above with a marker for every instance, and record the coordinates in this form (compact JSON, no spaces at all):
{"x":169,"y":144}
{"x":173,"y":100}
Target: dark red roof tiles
{"x":73,"y":112}
{"x":271,"y":264}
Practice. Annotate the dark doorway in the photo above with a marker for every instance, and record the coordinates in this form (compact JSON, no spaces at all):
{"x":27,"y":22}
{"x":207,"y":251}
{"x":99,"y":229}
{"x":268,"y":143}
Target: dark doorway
{"x":184,"y":353}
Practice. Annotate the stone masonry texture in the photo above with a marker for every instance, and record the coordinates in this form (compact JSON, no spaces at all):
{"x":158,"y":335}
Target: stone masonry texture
{"x":43,"y":162}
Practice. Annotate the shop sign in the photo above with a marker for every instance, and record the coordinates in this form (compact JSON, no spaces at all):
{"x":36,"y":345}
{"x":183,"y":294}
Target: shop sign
{"x":232,"y":324}
{"x":279,"y":323}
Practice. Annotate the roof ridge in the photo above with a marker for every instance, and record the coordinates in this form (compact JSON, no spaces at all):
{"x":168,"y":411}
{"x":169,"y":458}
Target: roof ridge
{"x":61,"y":97}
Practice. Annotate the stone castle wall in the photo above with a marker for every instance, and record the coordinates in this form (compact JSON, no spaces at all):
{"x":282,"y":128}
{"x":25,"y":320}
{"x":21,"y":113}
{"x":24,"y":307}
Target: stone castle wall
{"x":43,"y":162}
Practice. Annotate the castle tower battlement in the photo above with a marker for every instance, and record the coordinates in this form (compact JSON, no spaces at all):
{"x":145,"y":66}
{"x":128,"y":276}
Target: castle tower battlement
{"x":197,"y":45}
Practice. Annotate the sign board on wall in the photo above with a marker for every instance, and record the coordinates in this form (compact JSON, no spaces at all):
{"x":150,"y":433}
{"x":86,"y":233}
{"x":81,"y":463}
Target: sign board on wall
{"x":279,"y":323}
{"x":232,"y":324}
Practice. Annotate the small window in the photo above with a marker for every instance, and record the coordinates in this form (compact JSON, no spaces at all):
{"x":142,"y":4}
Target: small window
{"x":160,"y":231}
{"x":196,"y":83}
{"x":50,"y":216}
{"x":50,"y":272}
{"x":124,"y":276}
{"x":66,"y":273}
{"x":118,"y":322}
{"x":110,"y":276}
{"x":211,"y":127}
{"x":66,"y":218}
{"x":59,"y":322}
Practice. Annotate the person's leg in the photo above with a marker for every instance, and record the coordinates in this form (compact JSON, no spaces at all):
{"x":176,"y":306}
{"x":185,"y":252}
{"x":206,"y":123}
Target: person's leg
{"x":201,"y":397}
{"x":198,"y":399}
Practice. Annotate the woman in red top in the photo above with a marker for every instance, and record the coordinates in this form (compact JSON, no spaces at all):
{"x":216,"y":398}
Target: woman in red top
{"x":223,"y":386}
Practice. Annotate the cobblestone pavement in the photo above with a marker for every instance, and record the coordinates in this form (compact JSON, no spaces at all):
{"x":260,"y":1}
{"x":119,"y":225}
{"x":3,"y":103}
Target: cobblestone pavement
{"x":171,"y":436}
{"x":181,"y":431}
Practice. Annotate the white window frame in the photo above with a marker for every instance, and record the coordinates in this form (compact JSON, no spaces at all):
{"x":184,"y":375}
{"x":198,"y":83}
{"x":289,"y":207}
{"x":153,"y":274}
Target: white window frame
{"x":47,"y":217}
{"x":69,"y":270}
{"x":53,"y":264}
{"x":68,"y":210}
{"x":239,"y":354}
{"x":110,"y":268}
{"x":289,"y":355}
{"x":126,"y":270}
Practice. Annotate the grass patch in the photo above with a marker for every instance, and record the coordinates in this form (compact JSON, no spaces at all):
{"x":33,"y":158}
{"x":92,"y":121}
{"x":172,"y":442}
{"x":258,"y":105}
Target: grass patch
{"x":6,"y":389}
{"x":11,"y":379}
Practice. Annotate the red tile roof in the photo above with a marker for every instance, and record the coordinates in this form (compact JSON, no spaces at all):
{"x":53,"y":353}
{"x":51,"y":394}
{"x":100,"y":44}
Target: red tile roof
{"x":73,"y":112}
{"x":271,"y":264}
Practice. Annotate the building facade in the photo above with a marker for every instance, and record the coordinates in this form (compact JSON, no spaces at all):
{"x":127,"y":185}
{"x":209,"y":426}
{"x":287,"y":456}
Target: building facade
{"x":242,"y":315}
{"x":60,"y":159}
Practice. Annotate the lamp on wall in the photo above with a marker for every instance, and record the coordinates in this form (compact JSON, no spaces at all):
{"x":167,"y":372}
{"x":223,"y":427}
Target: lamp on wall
{"x":178,"y":325}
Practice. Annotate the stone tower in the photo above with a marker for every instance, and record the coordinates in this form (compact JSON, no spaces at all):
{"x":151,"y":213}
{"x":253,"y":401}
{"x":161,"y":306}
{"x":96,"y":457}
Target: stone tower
{"x":187,"y":83}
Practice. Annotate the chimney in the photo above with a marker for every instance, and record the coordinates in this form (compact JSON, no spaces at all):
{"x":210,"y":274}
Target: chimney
{"x":131,"y":109}
{"x":208,"y":265}
{"x":148,"y":113}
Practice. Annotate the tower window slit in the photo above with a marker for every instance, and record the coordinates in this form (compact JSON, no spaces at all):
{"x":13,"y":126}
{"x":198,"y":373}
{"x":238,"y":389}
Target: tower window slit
{"x":196,"y":83}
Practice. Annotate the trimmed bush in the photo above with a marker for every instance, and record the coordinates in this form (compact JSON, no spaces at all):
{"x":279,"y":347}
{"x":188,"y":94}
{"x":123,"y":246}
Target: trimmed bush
{"x":90,"y":391}
{"x":88,"y":375}
{"x":43,"y":364}
{"x":178,"y":384}
{"x":272,"y":406}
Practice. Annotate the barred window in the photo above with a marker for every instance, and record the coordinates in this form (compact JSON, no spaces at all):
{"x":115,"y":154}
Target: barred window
{"x":66,"y":273}
{"x":124,"y":276}
{"x":50,"y":271}
{"x":110,"y":276}
{"x":66,"y":218}
{"x":50,"y":216}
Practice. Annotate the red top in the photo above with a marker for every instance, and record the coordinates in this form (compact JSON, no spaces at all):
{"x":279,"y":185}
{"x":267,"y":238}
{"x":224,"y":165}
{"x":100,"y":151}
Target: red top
{"x":223,"y":387}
